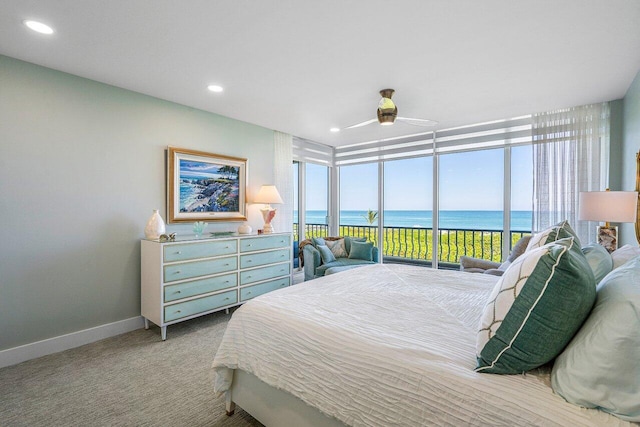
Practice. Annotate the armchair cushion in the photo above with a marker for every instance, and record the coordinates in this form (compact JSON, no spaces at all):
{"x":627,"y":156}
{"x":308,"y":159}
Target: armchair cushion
{"x":341,"y":262}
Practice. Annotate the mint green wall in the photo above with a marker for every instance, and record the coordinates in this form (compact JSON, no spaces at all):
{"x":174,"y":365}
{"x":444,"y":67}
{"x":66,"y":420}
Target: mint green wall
{"x":630,"y":146}
{"x":82,"y":165}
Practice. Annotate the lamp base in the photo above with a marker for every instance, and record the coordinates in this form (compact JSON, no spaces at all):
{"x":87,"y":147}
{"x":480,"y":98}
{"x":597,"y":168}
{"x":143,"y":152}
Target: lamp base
{"x":608,"y":237}
{"x":267,"y":229}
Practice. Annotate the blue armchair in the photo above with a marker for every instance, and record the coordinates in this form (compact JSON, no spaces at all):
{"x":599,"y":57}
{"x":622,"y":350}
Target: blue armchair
{"x":314,"y":266}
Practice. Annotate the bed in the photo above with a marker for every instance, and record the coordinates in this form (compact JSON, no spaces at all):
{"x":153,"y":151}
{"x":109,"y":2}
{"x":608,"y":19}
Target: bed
{"x":381,"y":345}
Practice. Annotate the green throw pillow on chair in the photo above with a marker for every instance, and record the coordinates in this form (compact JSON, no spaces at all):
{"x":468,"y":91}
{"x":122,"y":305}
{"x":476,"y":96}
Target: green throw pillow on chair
{"x":326,"y":254}
{"x":361,"y":250}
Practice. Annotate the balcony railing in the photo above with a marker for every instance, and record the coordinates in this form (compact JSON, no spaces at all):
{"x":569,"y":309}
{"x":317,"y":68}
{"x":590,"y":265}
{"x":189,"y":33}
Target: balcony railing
{"x":414,"y":244}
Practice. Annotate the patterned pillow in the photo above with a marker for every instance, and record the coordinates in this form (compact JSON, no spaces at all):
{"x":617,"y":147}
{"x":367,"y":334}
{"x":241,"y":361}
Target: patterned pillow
{"x":337,"y":248}
{"x":559,"y":231}
{"x":535,"y":308}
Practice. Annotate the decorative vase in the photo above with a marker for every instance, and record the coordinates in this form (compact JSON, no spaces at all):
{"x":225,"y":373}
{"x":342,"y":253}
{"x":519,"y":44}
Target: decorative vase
{"x":244,"y":229}
{"x":198,"y":228}
{"x":155,"y":226}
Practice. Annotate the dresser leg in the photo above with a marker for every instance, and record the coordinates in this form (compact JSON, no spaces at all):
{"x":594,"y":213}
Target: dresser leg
{"x":146,"y":323}
{"x":163,"y":331}
{"x":226,"y":311}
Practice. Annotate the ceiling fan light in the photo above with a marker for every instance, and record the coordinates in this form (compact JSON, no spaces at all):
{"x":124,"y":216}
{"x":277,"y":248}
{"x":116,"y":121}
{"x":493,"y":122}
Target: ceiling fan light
{"x":386,"y":123}
{"x":386,"y":104}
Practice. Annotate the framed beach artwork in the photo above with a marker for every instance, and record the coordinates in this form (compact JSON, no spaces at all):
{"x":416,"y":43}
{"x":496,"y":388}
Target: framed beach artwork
{"x":205,"y":187}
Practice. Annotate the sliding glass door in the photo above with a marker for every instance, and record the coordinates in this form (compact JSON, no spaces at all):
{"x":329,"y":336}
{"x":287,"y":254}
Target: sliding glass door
{"x":471,"y":202}
{"x":408,"y":209}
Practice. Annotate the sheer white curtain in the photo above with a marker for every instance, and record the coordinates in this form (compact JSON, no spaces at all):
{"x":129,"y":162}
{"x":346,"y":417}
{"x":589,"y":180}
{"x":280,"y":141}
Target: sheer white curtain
{"x":570,"y":155}
{"x":283,"y":180}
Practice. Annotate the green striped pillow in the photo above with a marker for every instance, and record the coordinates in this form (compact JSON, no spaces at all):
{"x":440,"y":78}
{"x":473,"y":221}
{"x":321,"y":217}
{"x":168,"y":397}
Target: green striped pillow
{"x":535,"y":309}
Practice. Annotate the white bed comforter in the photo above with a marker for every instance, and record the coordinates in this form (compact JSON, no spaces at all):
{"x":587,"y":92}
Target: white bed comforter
{"x":387,"y":345}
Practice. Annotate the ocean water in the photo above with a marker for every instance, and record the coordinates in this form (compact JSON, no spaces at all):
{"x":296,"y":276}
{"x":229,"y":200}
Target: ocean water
{"x":461,"y":220}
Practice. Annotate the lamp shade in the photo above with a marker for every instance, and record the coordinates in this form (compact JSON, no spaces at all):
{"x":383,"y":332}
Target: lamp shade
{"x":608,"y":206}
{"x":268,"y":194}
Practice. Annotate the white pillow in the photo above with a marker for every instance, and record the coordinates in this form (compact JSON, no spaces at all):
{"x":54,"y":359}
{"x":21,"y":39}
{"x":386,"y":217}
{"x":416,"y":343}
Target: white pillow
{"x":600,"y":368}
{"x":622,"y":255}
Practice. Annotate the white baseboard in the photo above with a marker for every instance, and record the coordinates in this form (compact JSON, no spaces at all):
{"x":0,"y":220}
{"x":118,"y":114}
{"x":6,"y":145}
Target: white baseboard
{"x":30,"y":351}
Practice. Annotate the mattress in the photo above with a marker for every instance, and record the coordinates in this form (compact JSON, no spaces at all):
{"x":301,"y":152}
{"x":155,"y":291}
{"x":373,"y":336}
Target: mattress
{"x":388,"y":345}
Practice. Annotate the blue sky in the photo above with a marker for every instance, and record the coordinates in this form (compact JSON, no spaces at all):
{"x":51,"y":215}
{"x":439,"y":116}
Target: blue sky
{"x":468,"y":181}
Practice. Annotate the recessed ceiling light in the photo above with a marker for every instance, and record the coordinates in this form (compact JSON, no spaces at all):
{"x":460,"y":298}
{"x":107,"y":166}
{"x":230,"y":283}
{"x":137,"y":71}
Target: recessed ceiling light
{"x":334,"y":130}
{"x":215,"y":88}
{"x":38,"y":27}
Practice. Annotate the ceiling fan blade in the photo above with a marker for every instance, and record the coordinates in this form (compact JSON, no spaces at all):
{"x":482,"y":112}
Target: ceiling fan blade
{"x":417,"y":122}
{"x":368,"y":122}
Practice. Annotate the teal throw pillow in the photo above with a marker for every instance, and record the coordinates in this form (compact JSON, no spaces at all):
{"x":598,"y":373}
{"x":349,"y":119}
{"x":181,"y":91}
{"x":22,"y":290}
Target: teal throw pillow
{"x":318,"y":241}
{"x":559,"y":231}
{"x":535,"y":309}
{"x":326,"y":254}
{"x":600,"y":368}
{"x":599,"y":259}
{"x":361,"y":250}
{"x":349,"y":239}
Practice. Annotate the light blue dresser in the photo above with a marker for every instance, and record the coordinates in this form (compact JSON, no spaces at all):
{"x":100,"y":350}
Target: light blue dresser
{"x":190,"y":277}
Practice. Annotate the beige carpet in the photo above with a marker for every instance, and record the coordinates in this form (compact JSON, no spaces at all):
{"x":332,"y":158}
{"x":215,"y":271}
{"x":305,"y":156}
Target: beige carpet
{"x":133,"y":379}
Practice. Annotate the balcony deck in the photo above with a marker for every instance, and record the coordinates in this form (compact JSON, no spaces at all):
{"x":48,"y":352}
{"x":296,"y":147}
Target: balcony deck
{"x":413,"y":244}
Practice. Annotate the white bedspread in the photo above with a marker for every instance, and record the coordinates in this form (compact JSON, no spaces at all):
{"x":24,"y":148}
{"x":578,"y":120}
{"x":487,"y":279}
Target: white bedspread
{"x":387,"y":345}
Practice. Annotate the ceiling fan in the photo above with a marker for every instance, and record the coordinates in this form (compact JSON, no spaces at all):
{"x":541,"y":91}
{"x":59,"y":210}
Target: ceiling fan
{"x":388,"y":114}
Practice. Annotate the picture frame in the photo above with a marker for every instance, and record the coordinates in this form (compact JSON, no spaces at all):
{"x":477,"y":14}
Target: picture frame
{"x":204,"y":186}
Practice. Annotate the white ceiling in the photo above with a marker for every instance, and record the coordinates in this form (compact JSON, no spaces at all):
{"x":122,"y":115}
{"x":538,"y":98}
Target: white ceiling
{"x":302,"y":67}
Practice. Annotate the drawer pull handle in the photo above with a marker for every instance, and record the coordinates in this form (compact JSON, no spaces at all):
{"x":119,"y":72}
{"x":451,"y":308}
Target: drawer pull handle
{"x":282,"y":256}
{"x":177,"y":272}
{"x":178,"y":311}
{"x":178,"y":292}
{"x":226,"y":281}
{"x":178,"y":253}
{"x":226,"y":299}
{"x":248,"y":277}
{"x":249,"y":293}
{"x":248,"y":260}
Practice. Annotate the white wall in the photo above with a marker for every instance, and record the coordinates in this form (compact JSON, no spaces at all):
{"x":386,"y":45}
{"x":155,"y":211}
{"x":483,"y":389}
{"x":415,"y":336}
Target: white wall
{"x":82,"y":165}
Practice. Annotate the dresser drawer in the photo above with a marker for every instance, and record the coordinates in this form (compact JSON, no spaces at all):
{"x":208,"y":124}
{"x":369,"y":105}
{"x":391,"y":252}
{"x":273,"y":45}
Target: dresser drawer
{"x":255,"y":290}
{"x":199,"y":268}
{"x":254,"y":260}
{"x":263,"y":273}
{"x":200,"y":305}
{"x":187,"y":251}
{"x":265,"y":242}
{"x":199,"y":287}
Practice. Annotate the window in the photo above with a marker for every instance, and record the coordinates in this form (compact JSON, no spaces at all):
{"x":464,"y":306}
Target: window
{"x":471,"y":195}
{"x":408,"y":208}
{"x":359,"y":201}
{"x":317,"y":200}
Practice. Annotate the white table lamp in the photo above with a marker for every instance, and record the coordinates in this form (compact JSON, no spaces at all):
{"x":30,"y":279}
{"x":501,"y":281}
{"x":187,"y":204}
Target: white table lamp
{"x":608,"y":206}
{"x":268,"y":194}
